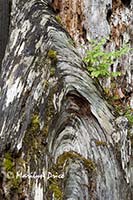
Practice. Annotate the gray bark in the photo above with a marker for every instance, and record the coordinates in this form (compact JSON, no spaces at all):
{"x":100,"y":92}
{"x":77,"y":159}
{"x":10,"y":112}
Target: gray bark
{"x":54,"y":119}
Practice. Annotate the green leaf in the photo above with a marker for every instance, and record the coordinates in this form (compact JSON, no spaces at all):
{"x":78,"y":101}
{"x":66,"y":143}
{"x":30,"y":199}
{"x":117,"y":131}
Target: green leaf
{"x":100,"y":60}
{"x":95,"y":73}
{"x":115,"y":74}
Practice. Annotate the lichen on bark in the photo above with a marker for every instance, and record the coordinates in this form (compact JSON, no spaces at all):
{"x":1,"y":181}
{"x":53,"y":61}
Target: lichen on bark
{"x":52,"y":114}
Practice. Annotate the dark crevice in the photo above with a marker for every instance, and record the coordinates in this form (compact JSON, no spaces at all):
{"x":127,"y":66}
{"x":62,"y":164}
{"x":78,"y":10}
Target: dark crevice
{"x":109,"y":12}
{"x":78,"y":104}
{"x":4,"y":26}
{"x":84,"y":34}
{"x":10,"y":9}
{"x":126,"y":3}
{"x":56,"y":6}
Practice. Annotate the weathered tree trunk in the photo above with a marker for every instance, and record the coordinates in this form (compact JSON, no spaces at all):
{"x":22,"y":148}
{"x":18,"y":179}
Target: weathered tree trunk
{"x":59,"y":137}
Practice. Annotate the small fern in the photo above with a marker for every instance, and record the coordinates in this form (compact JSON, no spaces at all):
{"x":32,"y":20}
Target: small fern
{"x":98,"y":60}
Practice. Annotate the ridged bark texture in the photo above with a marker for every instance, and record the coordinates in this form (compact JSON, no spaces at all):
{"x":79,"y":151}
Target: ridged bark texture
{"x":59,"y":137}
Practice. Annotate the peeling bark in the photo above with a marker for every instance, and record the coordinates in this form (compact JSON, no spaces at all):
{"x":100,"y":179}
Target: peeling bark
{"x":57,"y":132}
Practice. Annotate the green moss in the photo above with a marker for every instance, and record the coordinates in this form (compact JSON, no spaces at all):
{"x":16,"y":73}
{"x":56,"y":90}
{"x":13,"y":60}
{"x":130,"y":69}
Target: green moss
{"x":8,"y":162}
{"x":100,"y":143}
{"x":59,"y":168}
{"x":32,"y":130}
{"x":32,"y":141}
{"x":129,"y":116}
{"x":15,"y":183}
{"x":32,"y":148}
{"x":52,"y":54}
{"x":50,"y":110}
{"x":33,"y":145}
{"x":35,"y":119}
{"x":35,"y":123}
{"x":88,"y":163}
{"x":58,"y":19}
{"x":56,"y":189}
{"x":52,"y":71}
{"x":118,"y":109}
{"x":10,"y":166}
{"x":46,"y":84}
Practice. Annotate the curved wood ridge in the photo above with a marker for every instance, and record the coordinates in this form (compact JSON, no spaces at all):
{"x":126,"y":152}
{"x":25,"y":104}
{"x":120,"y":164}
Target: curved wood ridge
{"x":53,"y":115}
